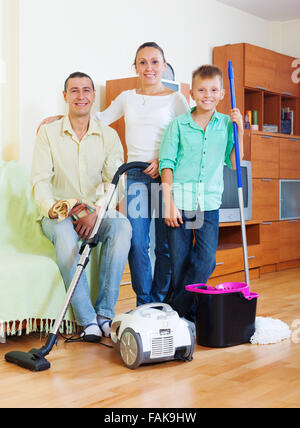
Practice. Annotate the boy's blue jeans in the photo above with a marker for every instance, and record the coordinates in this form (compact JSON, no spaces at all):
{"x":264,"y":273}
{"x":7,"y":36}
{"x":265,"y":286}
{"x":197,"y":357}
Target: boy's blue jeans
{"x":115,"y":235}
{"x":192,"y":264}
{"x":143,"y":197}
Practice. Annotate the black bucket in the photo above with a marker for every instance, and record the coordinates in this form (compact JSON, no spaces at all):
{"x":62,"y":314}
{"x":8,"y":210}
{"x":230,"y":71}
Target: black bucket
{"x":225,"y":315}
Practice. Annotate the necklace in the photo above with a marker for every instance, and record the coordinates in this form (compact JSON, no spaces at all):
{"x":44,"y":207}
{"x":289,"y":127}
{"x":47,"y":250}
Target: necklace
{"x":153,"y":95}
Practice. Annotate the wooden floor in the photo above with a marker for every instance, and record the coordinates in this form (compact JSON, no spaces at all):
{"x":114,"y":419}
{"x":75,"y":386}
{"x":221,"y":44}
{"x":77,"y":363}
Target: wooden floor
{"x":89,"y":375}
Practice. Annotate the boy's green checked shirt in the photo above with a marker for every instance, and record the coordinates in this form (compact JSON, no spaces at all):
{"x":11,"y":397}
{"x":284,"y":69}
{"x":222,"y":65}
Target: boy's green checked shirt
{"x":197,"y":160}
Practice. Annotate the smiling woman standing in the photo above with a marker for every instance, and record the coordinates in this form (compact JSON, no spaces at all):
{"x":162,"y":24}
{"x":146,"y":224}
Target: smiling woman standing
{"x":147,"y":112}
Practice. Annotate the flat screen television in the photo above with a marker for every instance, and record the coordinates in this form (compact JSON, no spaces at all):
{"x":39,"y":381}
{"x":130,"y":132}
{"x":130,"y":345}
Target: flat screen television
{"x":230,"y":210}
{"x":289,"y":199}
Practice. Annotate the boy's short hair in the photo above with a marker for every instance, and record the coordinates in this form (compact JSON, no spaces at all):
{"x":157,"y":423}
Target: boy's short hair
{"x":207,"y":71}
{"x":80,"y":75}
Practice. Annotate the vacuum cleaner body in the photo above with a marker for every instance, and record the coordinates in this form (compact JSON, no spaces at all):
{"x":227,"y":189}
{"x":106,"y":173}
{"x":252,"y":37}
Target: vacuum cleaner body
{"x":152,"y":333}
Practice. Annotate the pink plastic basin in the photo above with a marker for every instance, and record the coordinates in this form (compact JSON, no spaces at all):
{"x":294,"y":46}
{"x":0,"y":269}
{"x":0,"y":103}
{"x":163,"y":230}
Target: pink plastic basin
{"x":226,"y":287}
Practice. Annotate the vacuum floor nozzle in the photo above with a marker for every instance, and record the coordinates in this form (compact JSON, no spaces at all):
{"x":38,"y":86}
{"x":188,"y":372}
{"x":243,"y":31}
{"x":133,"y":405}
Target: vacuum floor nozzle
{"x":29,"y":360}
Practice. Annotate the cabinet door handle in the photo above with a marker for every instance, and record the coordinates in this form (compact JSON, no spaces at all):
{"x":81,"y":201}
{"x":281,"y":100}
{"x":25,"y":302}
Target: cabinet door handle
{"x":287,"y":93}
{"x":261,"y":87}
{"x":293,"y":139}
{"x":251,"y":257}
{"x":266,"y":136}
{"x":292,"y":221}
{"x":266,"y":179}
{"x":220,"y":263}
{"x":266,"y":222}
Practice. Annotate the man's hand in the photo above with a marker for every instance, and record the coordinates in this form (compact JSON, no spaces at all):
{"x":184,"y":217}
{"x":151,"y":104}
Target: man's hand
{"x":84,"y":225}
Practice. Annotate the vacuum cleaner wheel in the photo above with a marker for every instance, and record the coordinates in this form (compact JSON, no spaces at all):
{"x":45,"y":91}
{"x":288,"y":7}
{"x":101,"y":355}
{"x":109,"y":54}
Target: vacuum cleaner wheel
{"x":131,"y":348}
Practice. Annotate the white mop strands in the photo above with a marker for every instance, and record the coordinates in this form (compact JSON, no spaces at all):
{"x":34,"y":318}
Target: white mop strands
{"x":269,"y":330}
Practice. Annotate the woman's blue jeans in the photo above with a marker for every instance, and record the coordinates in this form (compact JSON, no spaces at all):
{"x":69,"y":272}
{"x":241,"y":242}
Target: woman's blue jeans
{"x":115,"y":235}
{"x":192,"y":262}
{"x":143,"y":201}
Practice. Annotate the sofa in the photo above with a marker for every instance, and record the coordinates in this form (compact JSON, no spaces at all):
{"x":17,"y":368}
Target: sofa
{"x":32,"y":291}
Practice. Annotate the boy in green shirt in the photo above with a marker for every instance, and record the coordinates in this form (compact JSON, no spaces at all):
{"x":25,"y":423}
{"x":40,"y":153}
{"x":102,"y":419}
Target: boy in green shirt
{"x":193,"y":151}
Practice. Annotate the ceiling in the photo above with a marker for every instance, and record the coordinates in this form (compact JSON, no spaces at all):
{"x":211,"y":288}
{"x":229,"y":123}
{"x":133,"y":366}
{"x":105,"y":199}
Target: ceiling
{"x":271,"y":10}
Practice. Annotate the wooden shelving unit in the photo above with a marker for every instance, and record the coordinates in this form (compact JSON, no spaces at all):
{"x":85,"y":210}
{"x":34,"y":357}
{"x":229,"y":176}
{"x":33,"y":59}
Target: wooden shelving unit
{"x":263,"y":82}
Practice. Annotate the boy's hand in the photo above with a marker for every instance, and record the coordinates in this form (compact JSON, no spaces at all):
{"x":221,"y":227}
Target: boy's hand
{"x":235,"y":116}
{"x":172,"y":215}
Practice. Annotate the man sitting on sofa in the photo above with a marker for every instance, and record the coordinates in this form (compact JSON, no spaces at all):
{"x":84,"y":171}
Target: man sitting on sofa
{"x":76,"y":158}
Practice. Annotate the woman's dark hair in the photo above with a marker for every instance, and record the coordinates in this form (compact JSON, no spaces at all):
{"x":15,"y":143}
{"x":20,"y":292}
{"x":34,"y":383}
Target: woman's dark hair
{"x":149,"y":45}
{"x":77,"y":74}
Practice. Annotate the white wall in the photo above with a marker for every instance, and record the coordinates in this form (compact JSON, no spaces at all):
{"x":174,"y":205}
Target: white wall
{"x":100,"y":37}
{"x":291,"y":38}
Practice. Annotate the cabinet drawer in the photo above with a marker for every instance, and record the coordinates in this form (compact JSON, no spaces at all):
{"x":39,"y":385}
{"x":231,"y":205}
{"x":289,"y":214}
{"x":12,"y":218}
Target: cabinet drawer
{"x":265,"y":199}
{"x":290,"y":158}
{"x":289,"y":240}
{"x":265,"y":156}
{"x":231,"y":260}
{"x":269,"y":238}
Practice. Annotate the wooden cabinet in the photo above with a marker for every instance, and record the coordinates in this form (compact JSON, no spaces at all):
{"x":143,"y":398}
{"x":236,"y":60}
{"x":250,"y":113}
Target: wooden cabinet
{"x":269,"y":234}
{"x":283,"y":74}
{"x":263,"y":82}
{"x":265,"y":156}
{"x":265,"y":199}
{"x":260,"y":69}
{"x":289,"y":241}
{"x":269,"y":70}
{"x":290,"y":158}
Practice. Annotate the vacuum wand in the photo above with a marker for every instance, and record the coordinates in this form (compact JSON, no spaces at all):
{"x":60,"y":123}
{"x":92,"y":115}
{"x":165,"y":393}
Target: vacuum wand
{"x":35,"y":359}
{"x":239,"y":174}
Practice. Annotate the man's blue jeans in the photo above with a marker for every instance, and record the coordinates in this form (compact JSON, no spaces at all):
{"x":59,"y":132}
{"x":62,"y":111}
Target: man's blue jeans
{"x":115,"y":235}
{"x":192,"y":264}
{"x":143,"y":199}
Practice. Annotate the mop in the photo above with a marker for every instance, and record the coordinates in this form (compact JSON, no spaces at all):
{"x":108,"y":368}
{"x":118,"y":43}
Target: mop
{"x":35,"y":360}
{"x":267,"y":330}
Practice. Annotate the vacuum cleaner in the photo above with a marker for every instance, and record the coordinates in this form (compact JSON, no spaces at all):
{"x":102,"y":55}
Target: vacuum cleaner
{"x":225,"y":314}
{"x":35,"y":359}
{"x":152,"y":333}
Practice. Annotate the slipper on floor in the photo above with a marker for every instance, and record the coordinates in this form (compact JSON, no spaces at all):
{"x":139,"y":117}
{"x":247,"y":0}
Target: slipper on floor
{"x":105,"y":329}
{"x":94,"y":338}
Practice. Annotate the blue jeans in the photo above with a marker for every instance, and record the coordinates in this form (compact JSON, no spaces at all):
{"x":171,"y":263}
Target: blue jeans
{"x":192,"y":263}
{"x":143,"y":198}
{"x":115,"y":234}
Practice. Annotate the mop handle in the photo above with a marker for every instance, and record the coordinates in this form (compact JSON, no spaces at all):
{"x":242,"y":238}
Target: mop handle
{"x":235,"y":128}
{"x":239,"y":175}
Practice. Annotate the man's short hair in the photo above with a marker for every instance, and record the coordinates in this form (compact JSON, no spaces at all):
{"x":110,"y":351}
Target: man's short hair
{"x":77,"y":74}
{"x":208,"y":71}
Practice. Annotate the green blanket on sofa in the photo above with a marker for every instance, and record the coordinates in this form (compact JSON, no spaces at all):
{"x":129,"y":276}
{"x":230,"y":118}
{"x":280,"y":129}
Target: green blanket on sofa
{"x":31,"y":287}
